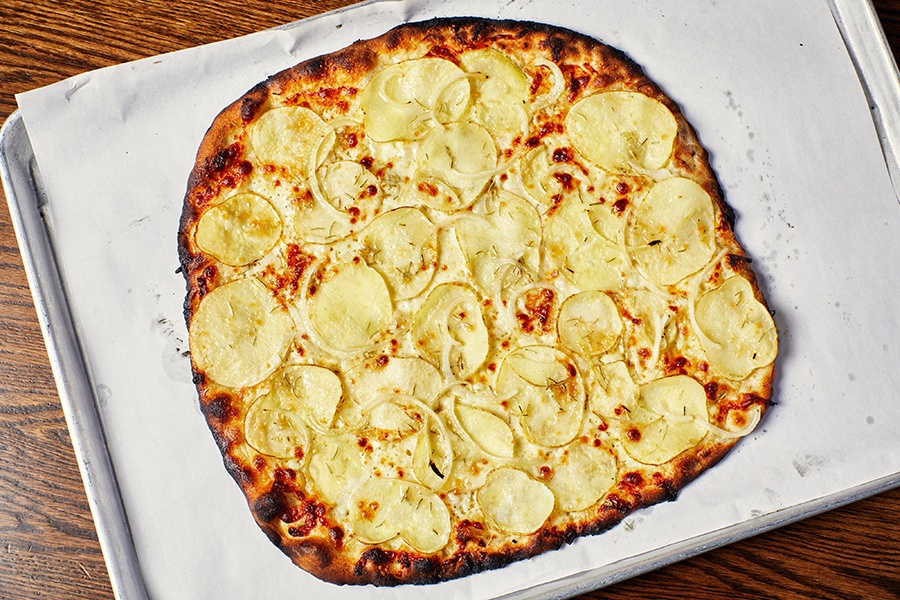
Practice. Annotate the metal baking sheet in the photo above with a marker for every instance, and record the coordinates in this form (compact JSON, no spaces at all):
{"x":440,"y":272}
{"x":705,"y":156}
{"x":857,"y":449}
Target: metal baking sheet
{"x":35,"y":232}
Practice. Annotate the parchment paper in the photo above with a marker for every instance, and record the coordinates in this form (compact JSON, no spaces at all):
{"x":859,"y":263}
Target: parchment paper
{"x":773,"y":94}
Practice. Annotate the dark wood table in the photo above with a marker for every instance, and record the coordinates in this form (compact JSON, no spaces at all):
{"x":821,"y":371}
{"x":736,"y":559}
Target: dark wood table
{"x":48,"y":546}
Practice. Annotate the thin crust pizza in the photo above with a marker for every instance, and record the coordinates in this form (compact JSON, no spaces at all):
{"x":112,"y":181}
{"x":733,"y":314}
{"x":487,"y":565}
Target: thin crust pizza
{"x":460,"y":294}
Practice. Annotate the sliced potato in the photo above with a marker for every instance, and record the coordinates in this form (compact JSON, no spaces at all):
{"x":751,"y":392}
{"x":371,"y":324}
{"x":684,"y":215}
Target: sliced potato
{"x":462,"y":155}
{"x":615,"y":389}
{"x":240,"y":230}
{"x":240,"y":334}
{"x":739,"y":334}
{"x":449,"y":330}
{"x":345,"y":182}
{"x":622,"y":131}
{"x":335,"y":465}
{"x":671,"y":233}
{"x":543,"y":178}
{"x":501,"y":93}
{"x":286,"y":137}
{"x":669,"y":425}
{"x":313,"y":391}
{"x":382,"y":509}
{"x":405,"y":100}
{"x":350,"y":307}
{"x":582,"y":255}
{"x":409,"y":376}
{"x":489,"y":432}
{"x":490,"y":256}
{"x":319,"y":223}
{"x":514,"y":502}
{"x":546,"y":394}
{"x":589,"y":323}
{"x":402,"y":245}
{"x":582,"y":476}
{"x":275,"y":427}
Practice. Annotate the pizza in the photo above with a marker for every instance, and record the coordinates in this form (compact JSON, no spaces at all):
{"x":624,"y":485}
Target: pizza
{"x":461,"y":294}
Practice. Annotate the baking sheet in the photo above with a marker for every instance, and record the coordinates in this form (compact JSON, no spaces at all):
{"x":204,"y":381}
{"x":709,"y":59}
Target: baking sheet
{"x":790,"y":135}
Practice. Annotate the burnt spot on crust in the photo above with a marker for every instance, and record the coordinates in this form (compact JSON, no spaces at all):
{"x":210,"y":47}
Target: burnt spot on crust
{"x":252,"y":102}
{"x":555,"y":45}
{"x":218,"y":408}
{"x":269,"y":506}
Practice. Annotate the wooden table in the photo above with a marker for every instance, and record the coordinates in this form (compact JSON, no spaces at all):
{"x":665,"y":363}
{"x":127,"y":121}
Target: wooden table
{"x":48,"y":546}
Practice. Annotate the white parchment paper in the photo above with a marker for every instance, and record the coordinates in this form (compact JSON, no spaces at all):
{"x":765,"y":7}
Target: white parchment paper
{"x":772,"y":92}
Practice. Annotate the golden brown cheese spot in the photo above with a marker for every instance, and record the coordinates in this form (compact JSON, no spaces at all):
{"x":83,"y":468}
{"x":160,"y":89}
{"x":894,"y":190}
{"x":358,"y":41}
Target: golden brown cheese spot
{"x":538,"y":309}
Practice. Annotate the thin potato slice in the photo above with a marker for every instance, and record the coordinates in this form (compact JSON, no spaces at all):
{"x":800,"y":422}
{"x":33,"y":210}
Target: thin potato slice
{"x":335,"y":465}
{"x":405,"y":100}
{"x":286,"y":136}
{"x":622,"y":131}
{"x":615,"y":391}
{"x":382,"y":509}
{"x":274,"y":427}
{"x":449,"y":330}
{"x":462,"y":155}
{"x":313,"y":391}
{"x":514,"y":502}
{"x":350,"y":307}
{"x":402,"y":245}
{"x":674,"y":405}
{"x":672,"y":231}
{"x":240,"y":230}
{"x":582,"y":256}
{"x":433,"y":455}
{"x":546,"y":391}
{"x":240,"y":334}
{"x":589,"y":323}
{"x":489,"y":432}
{"x":582,"y":476}
{"x":739,"y":334}
{"x":501,"y":93}
{"x":494,"y":259}
{"x":345,"y":182}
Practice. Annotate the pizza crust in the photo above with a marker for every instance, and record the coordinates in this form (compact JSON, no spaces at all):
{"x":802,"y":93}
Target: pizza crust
{"x":312,"y":522}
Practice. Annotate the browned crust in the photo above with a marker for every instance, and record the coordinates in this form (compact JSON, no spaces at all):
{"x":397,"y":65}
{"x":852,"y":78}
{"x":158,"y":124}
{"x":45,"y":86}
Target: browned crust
{"x":320,"y":552}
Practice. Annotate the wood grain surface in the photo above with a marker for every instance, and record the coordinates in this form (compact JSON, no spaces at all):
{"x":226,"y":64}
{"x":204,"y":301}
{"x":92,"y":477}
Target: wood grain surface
{"x":48,"y":545}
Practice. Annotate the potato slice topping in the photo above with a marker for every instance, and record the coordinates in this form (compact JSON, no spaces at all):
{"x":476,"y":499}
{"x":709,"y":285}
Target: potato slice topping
{"x":383,"y":509}
{"x":583,"y":474}
{"x":589,"y":323}
{"x":240,"y":334}
{"x":240,"y":230}
{"x":286,"y":136}
{"x":622,"y":131}
{"x":669,"y":422}
{"x":672,"y":233}
{"x":405,"y":100}
{"x":514,"y":502}
{"x":336,"y":464}
{"x":402,"y":245}
{"x":339,"y":317}
{"x":449,"y":330}
{"x":546,"y":393}
{"x":738,"y":332}
{"x":582,"y":255}
{"x":501,"y":93}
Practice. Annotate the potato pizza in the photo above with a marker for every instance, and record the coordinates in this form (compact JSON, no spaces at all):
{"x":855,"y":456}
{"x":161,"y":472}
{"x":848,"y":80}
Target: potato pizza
{"x":460,"y":294}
